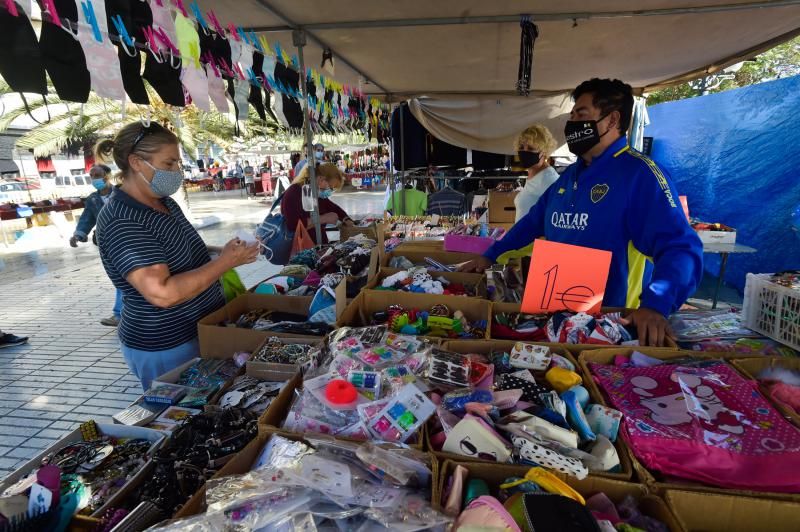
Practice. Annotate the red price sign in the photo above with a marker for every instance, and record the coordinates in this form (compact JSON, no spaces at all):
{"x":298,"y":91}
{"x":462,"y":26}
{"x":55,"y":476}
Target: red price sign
{"x":565,"y":277}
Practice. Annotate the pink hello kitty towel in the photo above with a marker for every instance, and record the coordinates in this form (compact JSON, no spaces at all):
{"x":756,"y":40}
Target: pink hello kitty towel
{"x":704,"y":423}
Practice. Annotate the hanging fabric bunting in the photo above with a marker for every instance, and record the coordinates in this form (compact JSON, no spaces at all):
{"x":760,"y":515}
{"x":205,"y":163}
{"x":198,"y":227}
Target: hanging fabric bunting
{"x":21,"y":63}
{"x":256,"y":95}
{"x":241,"y":94}
{"x":162,"y":18}
{"x":130,"y":57}
{"x":62,"y":53}
{"x":101,"y":56}
{"x":216,"y":90}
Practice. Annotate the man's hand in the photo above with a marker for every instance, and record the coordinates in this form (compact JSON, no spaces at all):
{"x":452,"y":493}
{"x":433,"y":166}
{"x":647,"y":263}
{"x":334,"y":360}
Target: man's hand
{"x":652,"y":328}
{"x":478,"y":265}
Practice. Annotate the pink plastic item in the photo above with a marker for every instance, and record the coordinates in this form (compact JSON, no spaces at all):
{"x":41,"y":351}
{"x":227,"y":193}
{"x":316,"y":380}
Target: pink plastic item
{"x":467,"y":244}
{"x":706,"y":424}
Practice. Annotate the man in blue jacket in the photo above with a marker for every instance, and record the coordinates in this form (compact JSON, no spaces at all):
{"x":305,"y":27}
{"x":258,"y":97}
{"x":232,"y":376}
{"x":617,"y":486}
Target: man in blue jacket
{"x":616,"y":199}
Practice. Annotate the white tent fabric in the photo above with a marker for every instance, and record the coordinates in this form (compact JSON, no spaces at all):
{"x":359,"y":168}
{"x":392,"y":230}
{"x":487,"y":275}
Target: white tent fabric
{"x":488,"y":123}
{"x":457,"y":57}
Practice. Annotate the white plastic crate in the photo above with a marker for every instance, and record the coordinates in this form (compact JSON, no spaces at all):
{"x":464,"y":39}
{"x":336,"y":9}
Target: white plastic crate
{"x":772,"y":310}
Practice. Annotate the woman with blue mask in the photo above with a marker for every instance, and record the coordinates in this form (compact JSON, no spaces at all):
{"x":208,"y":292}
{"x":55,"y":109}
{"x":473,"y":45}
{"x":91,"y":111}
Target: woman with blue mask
{"x":155,"y":257}
{"x":329,"y":179}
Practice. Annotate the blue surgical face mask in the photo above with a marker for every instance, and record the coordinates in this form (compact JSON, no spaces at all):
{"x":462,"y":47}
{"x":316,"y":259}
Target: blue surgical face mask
{"x":99,"y":184}
{"x":165,"y":182}
{"x":325,"y":193}
{"x":318,"y":155}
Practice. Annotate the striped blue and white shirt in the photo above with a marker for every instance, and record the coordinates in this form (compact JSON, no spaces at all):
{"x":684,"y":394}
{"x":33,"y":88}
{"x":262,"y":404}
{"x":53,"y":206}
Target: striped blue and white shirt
{"x":132,"y":235}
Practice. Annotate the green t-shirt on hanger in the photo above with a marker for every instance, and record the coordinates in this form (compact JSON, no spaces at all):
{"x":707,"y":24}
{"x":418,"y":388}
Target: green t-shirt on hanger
{"x":416,"y":203}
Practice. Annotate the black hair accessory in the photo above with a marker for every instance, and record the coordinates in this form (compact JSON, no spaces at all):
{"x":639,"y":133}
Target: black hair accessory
{"x":528,"y":38}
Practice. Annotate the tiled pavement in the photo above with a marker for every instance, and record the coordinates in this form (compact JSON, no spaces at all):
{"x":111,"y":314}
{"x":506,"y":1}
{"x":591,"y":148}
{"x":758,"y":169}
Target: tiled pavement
{"x":72,"y":369}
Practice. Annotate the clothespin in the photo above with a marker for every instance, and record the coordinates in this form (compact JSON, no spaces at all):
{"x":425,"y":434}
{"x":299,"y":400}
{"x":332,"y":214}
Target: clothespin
{"x":91,"y":19}
{"x":278,"y":52}
{"x":225,"y":68}
{"x":11,"y":7}
{"x":265,"y":49}
{"x":123,"y":32}
{"x":164,"y":38}
{"x":209,"y":60}
{"x":242,"y":35}
{"x":215,"y":22}
{"x":50,"y":8}
{"x":251,"y":36}
{"x":198,"y":14}
{"x":238,"y":70}
{"x":296,"y":62}
{"x":233,"y":32}
{"x":149,"y":34}
{"x":181,"y":7}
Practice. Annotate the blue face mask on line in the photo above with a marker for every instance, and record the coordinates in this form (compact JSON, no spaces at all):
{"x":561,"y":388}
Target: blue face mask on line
{"x":99,"y":184}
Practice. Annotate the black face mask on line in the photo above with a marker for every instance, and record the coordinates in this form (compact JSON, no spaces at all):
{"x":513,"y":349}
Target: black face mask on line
{"x":582,"y":135}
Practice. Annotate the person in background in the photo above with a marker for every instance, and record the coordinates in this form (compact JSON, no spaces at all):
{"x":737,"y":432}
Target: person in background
{"x":534,"y":146}
{"x":319,"y":155}
{"x":10,"y":340}
{"x":329,"y":178}
{"x":101,"y":175}
{"x":249,"y":179}
{"x":616,"y":199}
{"x":153,"y":254}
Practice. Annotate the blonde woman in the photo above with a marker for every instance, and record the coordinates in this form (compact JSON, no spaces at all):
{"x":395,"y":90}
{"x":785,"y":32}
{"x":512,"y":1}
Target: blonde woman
{"x":329,"y":178}
{"x":534,"y":147}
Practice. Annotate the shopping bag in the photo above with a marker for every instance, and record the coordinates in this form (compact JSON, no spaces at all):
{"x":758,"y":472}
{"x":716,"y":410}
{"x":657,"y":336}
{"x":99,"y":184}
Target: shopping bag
{"x":232,"y":285}
{"x":302,"y":240}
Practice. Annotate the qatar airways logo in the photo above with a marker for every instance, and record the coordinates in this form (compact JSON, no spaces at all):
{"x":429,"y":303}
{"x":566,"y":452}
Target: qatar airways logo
{"x":576,"y":221}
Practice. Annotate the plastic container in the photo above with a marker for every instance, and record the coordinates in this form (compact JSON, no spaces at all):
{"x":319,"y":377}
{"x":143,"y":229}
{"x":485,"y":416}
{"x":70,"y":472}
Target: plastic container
{"x":467,"y":244}
{"x":772,"y":310}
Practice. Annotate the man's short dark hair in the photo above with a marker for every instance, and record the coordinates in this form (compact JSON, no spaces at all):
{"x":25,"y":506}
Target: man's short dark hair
{"x":609,"y":95}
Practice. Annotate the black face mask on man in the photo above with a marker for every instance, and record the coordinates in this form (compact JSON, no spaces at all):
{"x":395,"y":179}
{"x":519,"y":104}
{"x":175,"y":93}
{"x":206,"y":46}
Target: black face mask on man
{"x":582,"y":135}
{"x":528,"y":159}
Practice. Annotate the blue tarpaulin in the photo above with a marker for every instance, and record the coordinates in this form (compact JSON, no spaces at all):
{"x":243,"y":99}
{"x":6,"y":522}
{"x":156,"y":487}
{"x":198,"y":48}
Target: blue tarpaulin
{"x":736,"y":155}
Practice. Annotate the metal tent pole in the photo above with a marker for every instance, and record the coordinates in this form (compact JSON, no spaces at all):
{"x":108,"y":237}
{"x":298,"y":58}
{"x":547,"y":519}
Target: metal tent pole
{"x":402,"y":163}
{"x":299,"y":40}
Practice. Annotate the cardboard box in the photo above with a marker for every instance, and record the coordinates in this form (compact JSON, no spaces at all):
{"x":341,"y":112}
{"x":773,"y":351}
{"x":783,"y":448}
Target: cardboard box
{"x":220,"y":341}
{"x":418,"y":256}
{"x":574,"y":349}
{"x":372,"y":269}
{"x":495,"y":474}
{"x":359,"y":312}
{"x":371,"y":231}
{"x":751,"y":367}
{"x":115,"y":431}
{"x":719,"y":512}
{"x":501,"y":207}
{"x":274,"y":372}
{"x":652,"y":479}
{"x":486,"y":347}
{"x":476,"y":280}
{"x":717,"y":237}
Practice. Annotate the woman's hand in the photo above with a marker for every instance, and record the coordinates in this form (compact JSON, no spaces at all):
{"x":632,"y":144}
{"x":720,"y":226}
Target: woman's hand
{"x":237,"y":252}
{"x":348,"y":222}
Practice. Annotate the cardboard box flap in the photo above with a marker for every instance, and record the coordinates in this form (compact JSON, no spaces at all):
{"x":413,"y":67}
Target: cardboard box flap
{"x":698,"y":511}
{"x":616,"y":490}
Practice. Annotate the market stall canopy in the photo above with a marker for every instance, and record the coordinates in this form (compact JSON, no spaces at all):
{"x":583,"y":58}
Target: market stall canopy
{"x":423,"y":47}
